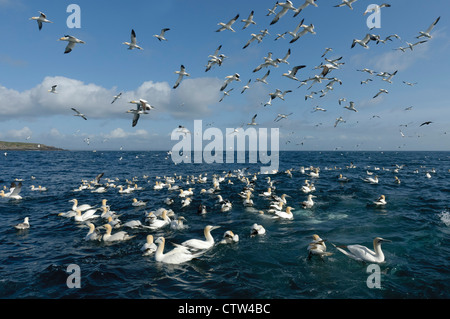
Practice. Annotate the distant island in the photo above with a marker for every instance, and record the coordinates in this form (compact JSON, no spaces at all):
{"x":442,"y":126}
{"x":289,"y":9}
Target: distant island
{"x":19,"y":146}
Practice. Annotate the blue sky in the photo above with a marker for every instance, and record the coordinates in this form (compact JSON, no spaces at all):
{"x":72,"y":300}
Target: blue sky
{"x":31,"y":61}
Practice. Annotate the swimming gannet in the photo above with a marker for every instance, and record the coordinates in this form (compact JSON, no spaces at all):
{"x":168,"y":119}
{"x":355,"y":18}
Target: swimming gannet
{"x":93,"y":233}
{"x":363,"y":253}
{"x":14,"y":191}
{"x":24,"y":225}
{"x":248,"y":201}
{"x":229,"y":237}
{"x":380,"y":201}
{"x":317,"y":247}
{"x":149,"y":247}
{"x":72,"y":41}
{"x":309,"y":202}
{"x":285,"y":215}
{"x":372,"y":180}
{"x":137,"y":203}
{"x":119,"y":236}
{"x":89,"y":214}
{"x":133,"y":45}
{"x":156,"y":223}
{"x":42,"y":18}
{"x":198,"y":244}
{"x":82,"y":208}
{"x":257,"y":230}
{"x":177,"y":255}
{"x":177,"y":224}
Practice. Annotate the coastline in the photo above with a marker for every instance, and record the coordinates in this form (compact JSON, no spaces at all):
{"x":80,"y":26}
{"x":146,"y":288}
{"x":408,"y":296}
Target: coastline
{"x":20,"y":146}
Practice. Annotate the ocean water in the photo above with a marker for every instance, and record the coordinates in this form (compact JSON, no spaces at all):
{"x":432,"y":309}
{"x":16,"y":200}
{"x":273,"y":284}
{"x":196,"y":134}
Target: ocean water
{"x":34,"y":263}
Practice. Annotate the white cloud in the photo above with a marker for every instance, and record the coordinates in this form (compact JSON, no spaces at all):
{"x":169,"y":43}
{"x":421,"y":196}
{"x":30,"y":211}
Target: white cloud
{"x":191,"y":99}
{"x":119,"y":133}
{"x":20,"y":134}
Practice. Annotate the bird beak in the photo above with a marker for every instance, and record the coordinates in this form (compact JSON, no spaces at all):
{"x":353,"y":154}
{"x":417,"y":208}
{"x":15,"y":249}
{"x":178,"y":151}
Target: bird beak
{"x":215,"y":227}
{"x":386,"y":240}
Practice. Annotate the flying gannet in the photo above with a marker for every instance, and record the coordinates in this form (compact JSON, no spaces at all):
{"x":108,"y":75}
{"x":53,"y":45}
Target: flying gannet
{"x":133,"y":44}
{"x":72,"y":41}
{"x":42,"y":18}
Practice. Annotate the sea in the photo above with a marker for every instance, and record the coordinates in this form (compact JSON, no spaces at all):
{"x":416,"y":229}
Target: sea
{"x":41,"y":262}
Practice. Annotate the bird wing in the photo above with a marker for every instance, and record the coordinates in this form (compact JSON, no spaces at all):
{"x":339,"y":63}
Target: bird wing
{"x":432,"y":25}
{"x":133,"y":37}
{"x":69,"y":47}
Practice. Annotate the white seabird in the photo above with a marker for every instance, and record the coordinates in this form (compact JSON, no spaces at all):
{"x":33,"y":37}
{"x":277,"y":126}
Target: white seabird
{"x":364,"y":41}
{"x":351,"y":107}
{"x":14,"y":191}
{"x":264,"y":78}
{"x":178,"y":224}
{"x":347,"y":3}
{"x":284,"y":215}
{"x":72,"y":41}
{"x":42,"y":18}
{"x":133,"y":44}
{"x":229,"y":237}
{"x":309,"y":202}
{"x":257,"y":229}
{"x":376,"y":8}
{"x":24,"y":225}
{"x":362,"y":253}
{"x":227,"y":26}
{"x":138,"y":203}
{"x":116,"y":97}
{"x":292,"y":73}
{"x":82,"y":208}
{"x":119,"y":236}
{"x":247,"y":86}
{"x":317,"y":247}
{"x":149,"y":247}
{"x":53,"y":89}
{"x":79,"y":113}
{"x":381,"y":201}
{"x":181,"y":73}
{"x":178,"y":255}
{"x":306,"y":29}
{"x":258,"y":37}
{"x":426,"y":33}
{"x":381,"y":91}
{"x":93,"y":233}
{"x":229,"y":79}
{"x":160,"y":36}
{"x":253,"y":120}
{"x":286,"y":6}
{"x":304,"y":5}
{"x":249,"y":20}
{"x":89,"y":214}
{"x":198,"y":244}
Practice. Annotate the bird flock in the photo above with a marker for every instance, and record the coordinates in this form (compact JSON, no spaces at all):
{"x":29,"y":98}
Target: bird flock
{"x":106,"y":225}
{"x":280,"y":10}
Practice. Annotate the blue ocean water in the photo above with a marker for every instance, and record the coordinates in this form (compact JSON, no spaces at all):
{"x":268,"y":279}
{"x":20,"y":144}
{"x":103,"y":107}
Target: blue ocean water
{"x":33,"y":263}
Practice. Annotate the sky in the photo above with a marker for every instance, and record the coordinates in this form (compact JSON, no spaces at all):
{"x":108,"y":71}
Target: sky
{"x":32,"y":60}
